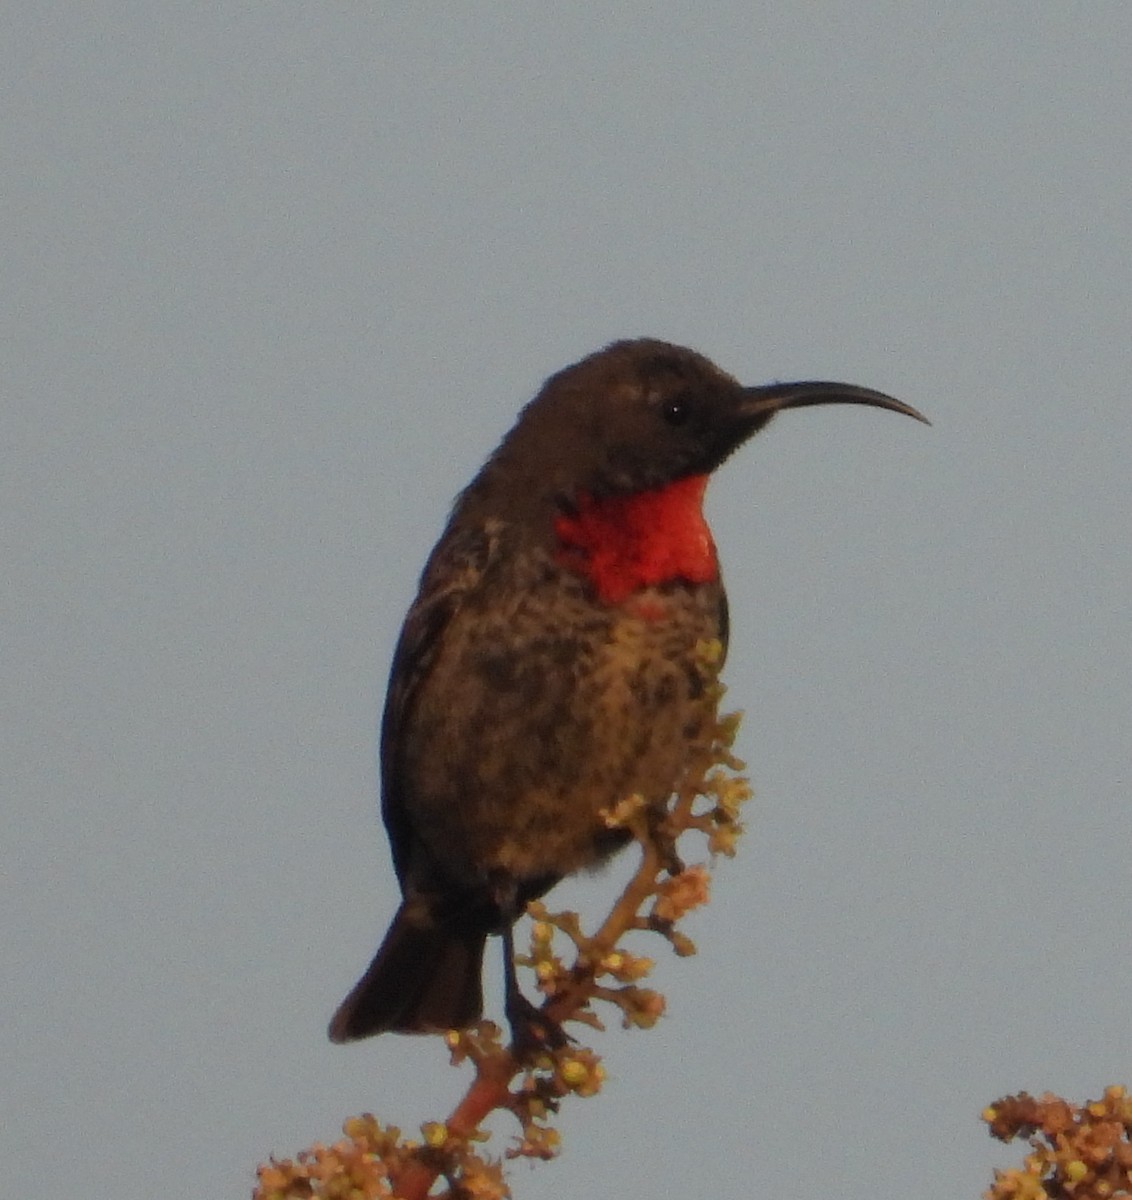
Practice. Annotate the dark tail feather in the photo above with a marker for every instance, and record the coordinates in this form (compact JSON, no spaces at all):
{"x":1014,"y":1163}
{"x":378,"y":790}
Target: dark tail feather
{"x":426,"y":977}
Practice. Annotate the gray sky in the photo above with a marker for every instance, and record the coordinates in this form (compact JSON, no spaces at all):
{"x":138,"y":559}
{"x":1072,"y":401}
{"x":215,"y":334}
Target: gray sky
{"x":277,"y":278}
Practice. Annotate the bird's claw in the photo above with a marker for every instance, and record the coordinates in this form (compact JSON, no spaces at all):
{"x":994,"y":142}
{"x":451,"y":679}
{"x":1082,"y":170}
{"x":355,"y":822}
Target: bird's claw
{"x":533,"y":1032}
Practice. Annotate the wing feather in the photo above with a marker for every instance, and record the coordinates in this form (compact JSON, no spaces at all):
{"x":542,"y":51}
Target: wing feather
{"x":454,"y":571}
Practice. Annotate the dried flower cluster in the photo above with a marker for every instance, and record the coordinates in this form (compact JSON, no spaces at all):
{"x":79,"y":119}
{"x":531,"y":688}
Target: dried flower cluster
{"x":1084,"y":1152}
{"x":1076,"y":1152}
{"x":372,"y":1161}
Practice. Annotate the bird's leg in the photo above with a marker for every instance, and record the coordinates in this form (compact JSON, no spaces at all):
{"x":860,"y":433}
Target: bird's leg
{"x":532,"y":1031}
{"x":662,"y":837}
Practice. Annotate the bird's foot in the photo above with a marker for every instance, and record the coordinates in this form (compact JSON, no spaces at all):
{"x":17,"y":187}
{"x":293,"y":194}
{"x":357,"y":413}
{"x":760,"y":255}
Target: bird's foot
{"x":532,"y":1031}
{"x":664,"y":840}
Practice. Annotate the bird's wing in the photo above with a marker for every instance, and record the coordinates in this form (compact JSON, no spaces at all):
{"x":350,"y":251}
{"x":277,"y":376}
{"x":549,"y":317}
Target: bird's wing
{"x":455,"y":569}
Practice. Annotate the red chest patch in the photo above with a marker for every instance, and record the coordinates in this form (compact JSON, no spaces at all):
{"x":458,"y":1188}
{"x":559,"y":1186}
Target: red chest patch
{"x":624,"y":543}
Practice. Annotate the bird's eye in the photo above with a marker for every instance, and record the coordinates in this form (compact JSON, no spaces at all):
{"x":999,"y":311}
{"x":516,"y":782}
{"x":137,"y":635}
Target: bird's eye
{"x":675,"y":409}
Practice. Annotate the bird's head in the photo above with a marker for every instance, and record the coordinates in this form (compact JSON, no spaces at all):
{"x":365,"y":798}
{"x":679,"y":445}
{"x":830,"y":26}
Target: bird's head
{"x":642,"y":414}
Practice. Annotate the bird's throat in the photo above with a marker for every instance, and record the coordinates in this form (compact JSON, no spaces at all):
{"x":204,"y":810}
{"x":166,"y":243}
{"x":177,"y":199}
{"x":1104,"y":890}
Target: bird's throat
{"x":622,"y":544}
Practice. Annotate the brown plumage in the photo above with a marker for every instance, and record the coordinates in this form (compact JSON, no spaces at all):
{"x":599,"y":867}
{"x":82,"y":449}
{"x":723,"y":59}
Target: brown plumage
{"x":548,"y":667}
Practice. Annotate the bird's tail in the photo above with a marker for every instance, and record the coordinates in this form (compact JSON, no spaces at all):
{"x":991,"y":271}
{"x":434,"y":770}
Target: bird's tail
{"x":424,"y":978}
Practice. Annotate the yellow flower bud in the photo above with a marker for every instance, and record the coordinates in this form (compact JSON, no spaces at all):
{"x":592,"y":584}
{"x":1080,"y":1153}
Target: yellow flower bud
{"x":435,"y":1134}
{"x":574,"y":1073}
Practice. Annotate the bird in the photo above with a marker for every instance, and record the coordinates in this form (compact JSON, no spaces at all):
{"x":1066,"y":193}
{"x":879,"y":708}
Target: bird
{"x":549,"y":665}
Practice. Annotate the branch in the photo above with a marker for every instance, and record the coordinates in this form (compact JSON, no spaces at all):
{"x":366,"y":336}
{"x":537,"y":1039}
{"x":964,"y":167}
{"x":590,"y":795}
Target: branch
{"x":373,"y":1161}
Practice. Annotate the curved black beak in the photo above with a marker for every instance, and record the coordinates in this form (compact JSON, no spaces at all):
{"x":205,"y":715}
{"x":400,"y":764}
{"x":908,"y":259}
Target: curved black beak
{"x":764,"y":402}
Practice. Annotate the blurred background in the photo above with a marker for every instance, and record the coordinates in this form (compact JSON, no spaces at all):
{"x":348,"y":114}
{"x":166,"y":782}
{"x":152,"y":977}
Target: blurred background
{"x":276,"y":278}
